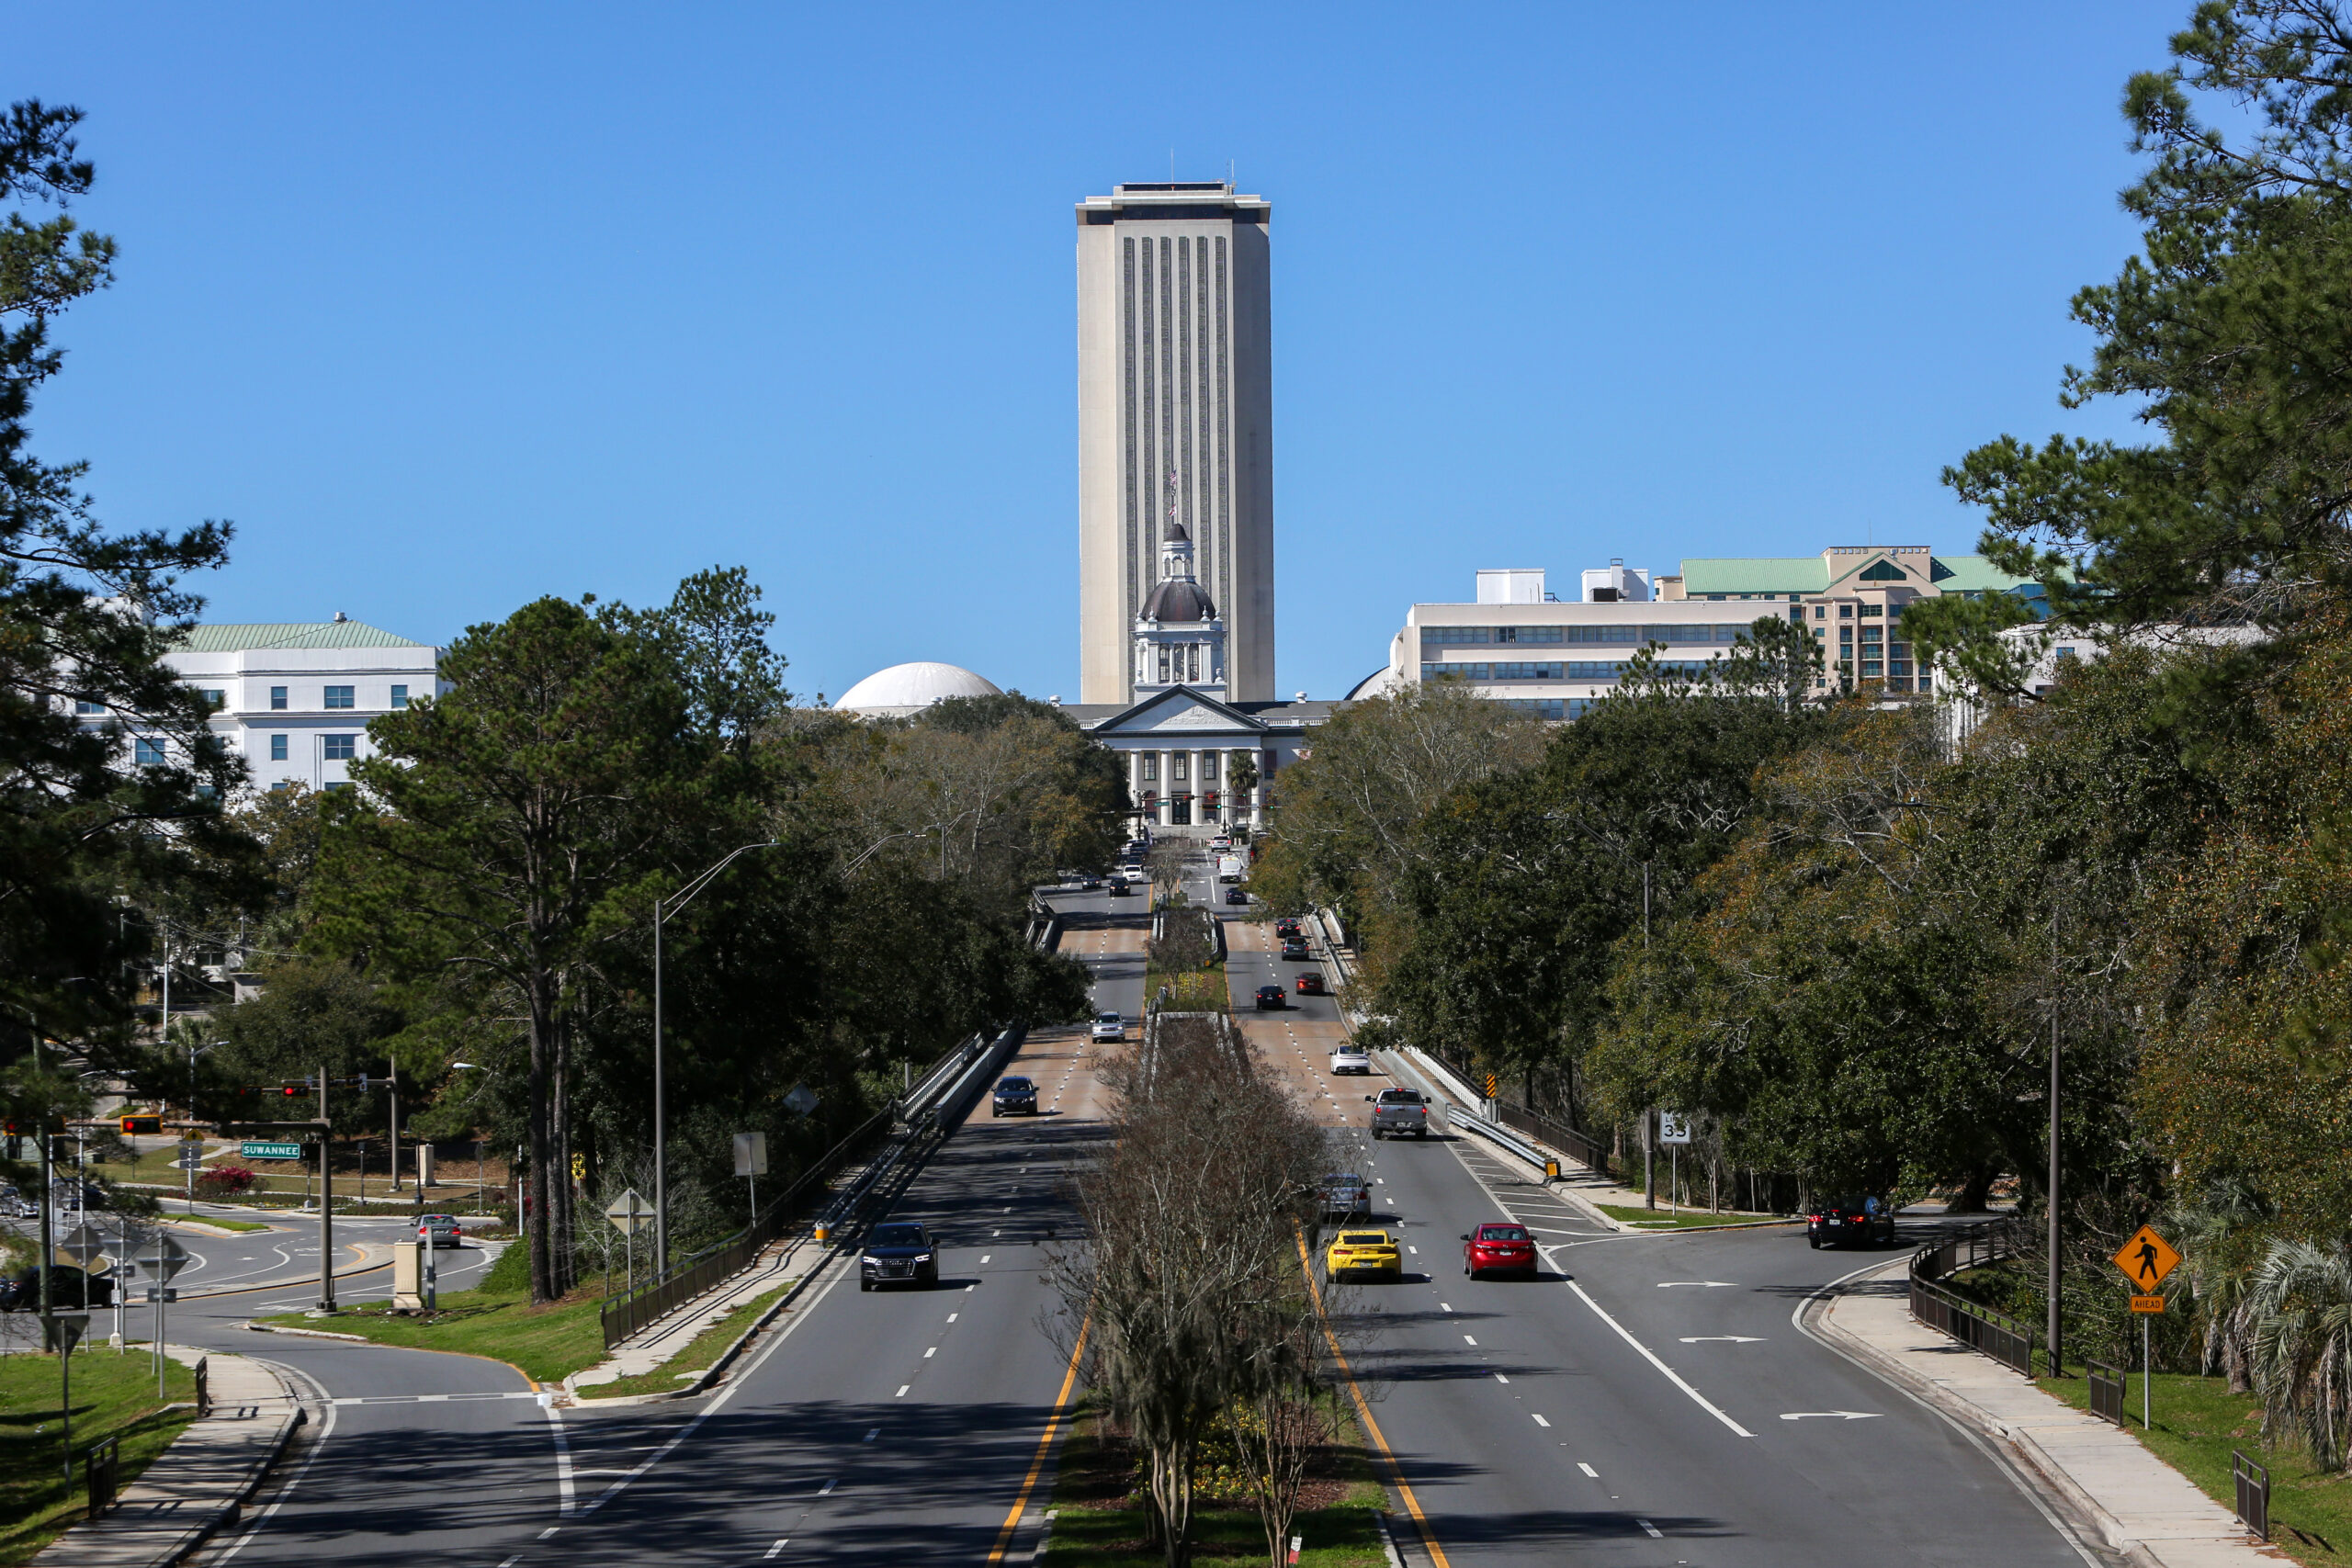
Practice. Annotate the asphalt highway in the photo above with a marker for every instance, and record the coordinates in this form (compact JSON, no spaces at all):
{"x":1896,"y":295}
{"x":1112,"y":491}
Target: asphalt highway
{"x":1648,"y":1398}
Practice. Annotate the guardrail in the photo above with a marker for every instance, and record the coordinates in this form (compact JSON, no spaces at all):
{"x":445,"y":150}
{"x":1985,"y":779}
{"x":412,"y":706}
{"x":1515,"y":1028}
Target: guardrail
{"x":624,"y":1316}
{"x":2252,"y":1483}
{"x":1494,"y":1132}
{"x":2107,"y":1392}
{"x":1997,"y":1334}
{"x":102,"y":1470}
{"x":1585,"y":1151}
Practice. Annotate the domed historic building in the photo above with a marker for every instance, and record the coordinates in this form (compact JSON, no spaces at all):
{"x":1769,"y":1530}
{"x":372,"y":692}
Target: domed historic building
{"x":905,"y":689}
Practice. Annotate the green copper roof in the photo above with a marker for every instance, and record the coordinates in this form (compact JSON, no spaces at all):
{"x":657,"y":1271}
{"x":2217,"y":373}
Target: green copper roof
{"x":1757,"y":574}
{"x":1975,"y":575}
{"x":288,"y":634}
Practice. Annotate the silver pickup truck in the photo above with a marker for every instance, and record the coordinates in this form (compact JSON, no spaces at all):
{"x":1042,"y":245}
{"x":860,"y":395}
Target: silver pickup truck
{"x":1399,"y":1111}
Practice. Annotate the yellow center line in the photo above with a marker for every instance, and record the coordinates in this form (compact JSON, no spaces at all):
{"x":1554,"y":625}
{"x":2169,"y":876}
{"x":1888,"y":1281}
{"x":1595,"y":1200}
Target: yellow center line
{"x":1371,"y":1427}
{"x":1044,"y":1447}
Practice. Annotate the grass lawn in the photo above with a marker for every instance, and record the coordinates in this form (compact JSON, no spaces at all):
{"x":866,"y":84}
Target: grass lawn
{"x":2199,"y":1421}
{"x":219,"y":1223}
{"x":113,"y":1395}
{"x":548,"y":1343}
{"x":1192,"y":990}
{"x":1097,"y":1525}
{"x":700,"y":1352}
{"x":1666,"y":1219}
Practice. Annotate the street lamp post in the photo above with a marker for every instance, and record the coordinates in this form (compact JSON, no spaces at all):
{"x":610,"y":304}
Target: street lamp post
{"x":663,"y":910}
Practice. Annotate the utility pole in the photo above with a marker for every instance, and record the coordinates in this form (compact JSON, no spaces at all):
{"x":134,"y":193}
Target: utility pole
{"x":327,"y":1204}
{"x":395,"y":1081}
{"x":1649,"y":1117}
{"x":2056,"y":1366}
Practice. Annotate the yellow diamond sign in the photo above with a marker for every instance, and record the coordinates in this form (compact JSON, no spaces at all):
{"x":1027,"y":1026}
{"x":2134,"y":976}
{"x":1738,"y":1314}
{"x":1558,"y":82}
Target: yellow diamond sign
{"x":2147,"y":1257}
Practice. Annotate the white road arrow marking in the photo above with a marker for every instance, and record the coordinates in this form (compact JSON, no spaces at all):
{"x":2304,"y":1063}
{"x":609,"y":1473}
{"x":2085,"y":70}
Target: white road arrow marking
{"x":1830,"y":1415}
{"x":1722,"y":1338}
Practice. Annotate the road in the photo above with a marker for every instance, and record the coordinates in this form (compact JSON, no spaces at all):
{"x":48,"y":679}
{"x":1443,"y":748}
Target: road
{"x":1649,"y":1399}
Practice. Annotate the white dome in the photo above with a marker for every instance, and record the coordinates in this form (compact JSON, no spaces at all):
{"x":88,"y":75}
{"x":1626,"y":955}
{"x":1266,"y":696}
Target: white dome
{"x":905,"y":689}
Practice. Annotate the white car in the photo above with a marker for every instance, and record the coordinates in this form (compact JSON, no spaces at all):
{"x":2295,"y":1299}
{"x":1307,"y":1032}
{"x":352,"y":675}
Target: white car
{"x":1110,"y":1026}
{"x":1349,"y":1060}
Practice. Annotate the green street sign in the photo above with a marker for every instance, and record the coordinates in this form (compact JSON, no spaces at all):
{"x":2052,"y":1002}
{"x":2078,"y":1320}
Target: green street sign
{"x":249,"y":1150}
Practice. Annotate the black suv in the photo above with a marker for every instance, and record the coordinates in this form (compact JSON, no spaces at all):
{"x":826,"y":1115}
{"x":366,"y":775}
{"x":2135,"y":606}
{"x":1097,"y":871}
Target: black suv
{"x":1294,"y":951}
{"x":1851,"y":1222}
{"x":1014,"y":1097}
{"x":898,"y":1253}
{"x":1273,"y":998}
{"x":68,"y":1288}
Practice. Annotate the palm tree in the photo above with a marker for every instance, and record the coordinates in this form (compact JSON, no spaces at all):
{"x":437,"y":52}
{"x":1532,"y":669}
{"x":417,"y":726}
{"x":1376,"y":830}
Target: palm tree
{"x":2216,"y":1231}
{"x":2301,"y":1300}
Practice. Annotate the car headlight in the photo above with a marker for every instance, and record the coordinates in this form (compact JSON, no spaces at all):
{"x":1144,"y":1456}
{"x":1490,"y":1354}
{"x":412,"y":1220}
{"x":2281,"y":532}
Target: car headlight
{"x":870,"y":1260}
{"x":922,"y":1258}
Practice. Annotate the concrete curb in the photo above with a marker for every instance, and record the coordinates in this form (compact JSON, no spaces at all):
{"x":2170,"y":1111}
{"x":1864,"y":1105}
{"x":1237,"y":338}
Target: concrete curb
{"x":93,"y":1546}
{"x":316,"y":1334}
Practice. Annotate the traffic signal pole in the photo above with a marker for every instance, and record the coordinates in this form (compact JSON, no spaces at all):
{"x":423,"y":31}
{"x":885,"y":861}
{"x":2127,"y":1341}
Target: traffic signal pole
{"x":327,"y":1204}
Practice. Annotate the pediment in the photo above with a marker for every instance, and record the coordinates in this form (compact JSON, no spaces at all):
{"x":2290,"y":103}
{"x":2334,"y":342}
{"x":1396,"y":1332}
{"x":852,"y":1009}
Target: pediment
{"x":1178,"y":712}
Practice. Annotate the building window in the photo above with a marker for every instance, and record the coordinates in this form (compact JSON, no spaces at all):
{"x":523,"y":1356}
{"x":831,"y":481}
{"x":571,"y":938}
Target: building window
{"x":2065,"y":653}
{"x":277,"y":699}
{"x":277,"y":748}
{"x":336,"y":784}
{"x":1545,"y":671}
{"x":89,"y":708}
{"x":214,"y":698}
{"x":339,"y":697}
{"x":1180,"y":766}
{"x":1870,"y":669}
{"x":399,"y":696}
{"x":147,"y":754}
{"x":1542,"y":708}
{"x":1845,"y":612}
{"x":1456,"y":634}
{"x":1873,"y":612}
{"x":1717,"y":597}
{"x":340,"y":748}
{"x":281,"y":786}
{"x":1821,"y":611}
{"x":1528,"y":633}
{"x":1151,"y":767}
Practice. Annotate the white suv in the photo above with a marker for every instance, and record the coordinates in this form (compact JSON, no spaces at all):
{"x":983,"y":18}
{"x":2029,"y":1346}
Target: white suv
{"x":1110,"y":1026}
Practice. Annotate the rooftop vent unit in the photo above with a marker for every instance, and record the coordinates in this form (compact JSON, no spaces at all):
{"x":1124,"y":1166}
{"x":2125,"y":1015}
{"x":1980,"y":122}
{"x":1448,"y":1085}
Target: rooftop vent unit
{"x":1511,"y":586}
{"x":1617,"y":583}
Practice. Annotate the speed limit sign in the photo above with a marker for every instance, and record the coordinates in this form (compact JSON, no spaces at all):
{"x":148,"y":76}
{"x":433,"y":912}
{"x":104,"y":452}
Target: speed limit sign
{"x":1673,"y":1127}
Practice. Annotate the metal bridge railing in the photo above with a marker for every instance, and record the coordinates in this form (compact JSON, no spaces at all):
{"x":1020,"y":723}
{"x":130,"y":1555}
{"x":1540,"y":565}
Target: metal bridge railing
{"x":1939,"y":1306}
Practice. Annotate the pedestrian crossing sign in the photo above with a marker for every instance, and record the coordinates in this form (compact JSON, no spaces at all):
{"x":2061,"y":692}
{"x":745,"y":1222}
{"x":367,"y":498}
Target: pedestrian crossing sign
{"x":2145,"y":1259}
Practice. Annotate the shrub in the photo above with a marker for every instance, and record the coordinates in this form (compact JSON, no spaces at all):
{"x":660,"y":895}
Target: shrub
{"x":224,"y":1181}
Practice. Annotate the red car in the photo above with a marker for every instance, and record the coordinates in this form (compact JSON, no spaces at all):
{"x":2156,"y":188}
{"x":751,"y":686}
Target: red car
{"x":1507,"y":1248}
{"x":1311,"y":984}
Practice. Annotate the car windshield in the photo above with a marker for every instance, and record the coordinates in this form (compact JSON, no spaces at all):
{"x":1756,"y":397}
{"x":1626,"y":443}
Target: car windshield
{"x":1400,"y":1097}
{"x":1014,"y":1083}
{"x":1343,"y":1180}
{"x":898,"y":1235}
{"x":1365,"y":1238}
{"x":1502,"y":1233}
{"x":1848,"y":1205}
{"x":1107,"y":1018}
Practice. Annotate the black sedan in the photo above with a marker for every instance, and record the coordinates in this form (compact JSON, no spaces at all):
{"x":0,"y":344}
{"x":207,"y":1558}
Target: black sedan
{"x":68,"y":1288}
{"x":1014,"y":1097}
{"x":1851,"y":1222}
{"x":1236,"y":896}
{"x":897,"y":1254}
{"x":1271,"y":998}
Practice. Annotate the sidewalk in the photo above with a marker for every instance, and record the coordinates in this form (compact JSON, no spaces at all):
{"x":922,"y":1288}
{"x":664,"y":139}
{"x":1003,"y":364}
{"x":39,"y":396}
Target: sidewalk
{"x":201,"y":1482}
{"x":786,"y":1260}
{"x":2143,"y":1507}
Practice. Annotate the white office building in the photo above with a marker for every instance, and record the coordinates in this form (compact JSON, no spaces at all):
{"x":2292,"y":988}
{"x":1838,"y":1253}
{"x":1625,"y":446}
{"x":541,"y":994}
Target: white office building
{"x":294,"y":698}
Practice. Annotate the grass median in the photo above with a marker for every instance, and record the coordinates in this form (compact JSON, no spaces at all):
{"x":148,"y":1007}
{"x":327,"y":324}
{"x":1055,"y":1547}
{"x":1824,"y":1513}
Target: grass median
{"x":1101,"y":1513}
{"x":1667,"y":1219}
{"x":2198,"y":1422}
{"x":699,"y":1353}
{"x":496,"y":1319}
{"x":114,"y":1397}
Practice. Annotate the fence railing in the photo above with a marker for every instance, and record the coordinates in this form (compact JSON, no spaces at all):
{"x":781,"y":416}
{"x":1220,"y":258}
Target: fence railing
{"x":2107,"y":1392}
{"x":102,"y":1470}
{"x":1997,"y":1334}
{"x":2251,"y":1482}
{"x":1586,"y":1151}
{"x":624,"y":1316}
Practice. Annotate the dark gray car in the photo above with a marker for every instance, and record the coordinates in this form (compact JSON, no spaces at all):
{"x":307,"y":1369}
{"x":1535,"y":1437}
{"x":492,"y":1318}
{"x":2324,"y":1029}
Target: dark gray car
{"x":898,"y":1253}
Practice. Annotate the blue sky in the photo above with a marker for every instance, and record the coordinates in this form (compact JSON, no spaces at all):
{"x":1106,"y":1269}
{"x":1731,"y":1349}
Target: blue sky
{"x":448,"y":306}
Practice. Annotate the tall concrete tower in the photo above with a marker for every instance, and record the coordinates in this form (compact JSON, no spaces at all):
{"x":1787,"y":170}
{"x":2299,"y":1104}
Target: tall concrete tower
{"x":1175,"y":421}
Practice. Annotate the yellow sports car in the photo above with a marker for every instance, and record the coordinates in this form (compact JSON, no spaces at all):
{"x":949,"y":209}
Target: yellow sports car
{"x":1363,"y":1252}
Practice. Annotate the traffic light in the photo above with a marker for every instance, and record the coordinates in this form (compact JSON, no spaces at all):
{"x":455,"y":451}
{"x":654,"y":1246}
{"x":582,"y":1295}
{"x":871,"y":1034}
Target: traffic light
{"x":291,"y":1090}
{"x":148,"y":1125}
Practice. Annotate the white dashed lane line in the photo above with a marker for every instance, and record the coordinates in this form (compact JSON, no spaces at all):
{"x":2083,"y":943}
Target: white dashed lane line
{"x":1587,"y":1470}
